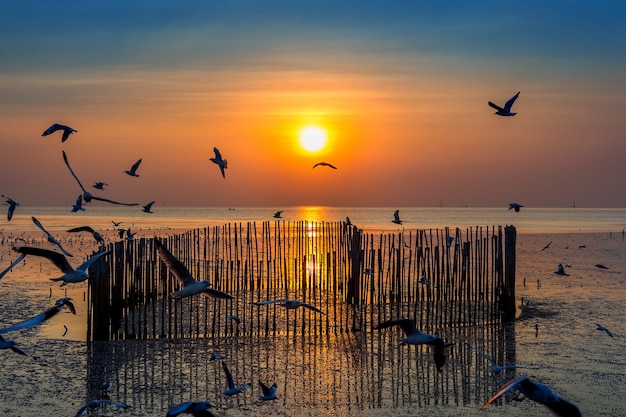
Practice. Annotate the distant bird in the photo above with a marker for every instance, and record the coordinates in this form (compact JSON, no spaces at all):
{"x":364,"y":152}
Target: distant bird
{"x":495,"y":368}
{"x":416,"y":337}
{"x":215,"y":357}
{"x":236,"y":319}
{"x":148,"y":207}
{"x":547,"y":246}
{"x":12,"y":204}
{"x":582,"y":246}
{"x":51,"y":238}
{"x":449,"y":240}
{"x":538,"y":393}
{"x":506,"y":111}
{"x":67,"y":131}
{"x":231,"y":388}
{"x":600,"y":266}
{"x":133,"y":170}
{"x":195,"y":408}
{"x":290,"y":304}
{"x":40,"y":318}
{"x":96,"y":235}
{"x":99,"y":185}
{"x":116,"y":224}
{"x":78,"y":205}
{"x":15,"y":262}
{"x":396,"y":217}
{"x":98,"y":403}
{"x":269,"y":393}
{"x":515,"y":206}
{"x":70,"y":275}
{"x":604,"y":329}
{"x":222,"y":163}
{"x":190,"y":285}
{"x":325,"y":164}
{"x":348,"y":222}
{"x":87,"y":196}
{"x":277,"y":215}
{"x":560,"y":270}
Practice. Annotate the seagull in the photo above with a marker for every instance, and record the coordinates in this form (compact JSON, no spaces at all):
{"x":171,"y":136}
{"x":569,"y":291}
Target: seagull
{"x":97,"y":236}
{"x":12,"y":204}
{"x":538,"y":393}
{"x":506,"y":111}
{"x":561,"y":271}
{"x":116,"y":224}
{"x":415,"y":337}
{"x":269,"y":393}
{"x":99,"y":185}
{"x":148,"y":207}
{"x":604,"y":329}
{"x":40,"y":318}
{"x":515,"y":206}
{"x":277,"y":215}
{"x":87,"y":196}
{"x":98,"y":403}
{"x":396,"y":217}
{"x":15,"y":262}
{"x":494,"y":366}
{"x":67,"y":131}
{"x":190,"y":285}
{"x":290,"y":304}
{"x":232,"y":389}
{"x":547,"y":246}
{"x":133,"y":170}
{"x":219,"y":161}
{"x":600,"y":266}
{"x":325,"y":164}
{"x":78,"y":205}
{"x":195,"y":408}
{"x":70,"y":275}
{"x":51,"y":238}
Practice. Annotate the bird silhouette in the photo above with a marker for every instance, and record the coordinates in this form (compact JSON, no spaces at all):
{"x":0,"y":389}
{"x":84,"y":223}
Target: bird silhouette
{"x":67,"y":131}
{"x":506,"y":111}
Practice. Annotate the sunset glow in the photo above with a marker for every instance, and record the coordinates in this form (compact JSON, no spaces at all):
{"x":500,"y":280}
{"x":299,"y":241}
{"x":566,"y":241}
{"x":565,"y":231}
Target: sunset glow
{"x":312,"y":138}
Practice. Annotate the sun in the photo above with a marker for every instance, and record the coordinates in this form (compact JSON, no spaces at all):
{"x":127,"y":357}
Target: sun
{"x":312,"y":138}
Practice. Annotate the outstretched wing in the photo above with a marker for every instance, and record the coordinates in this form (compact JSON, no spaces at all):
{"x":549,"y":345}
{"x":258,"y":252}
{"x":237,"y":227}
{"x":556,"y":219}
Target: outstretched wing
{"x":229,"y":377}
{"x":81,"y":229}
{"x":40,"y":318}
{"x":481,"y":353}
{"x":56,"y":258}
{"x":407,"y":325}
{"x":509,"y":103}
{"x":91,"y":260}
{"x":495,"y":106}
{"x":106,"y":200}
{"x":268,"y":302}
{"x":504,"y":389}
{"x":312,"y":307}
{"x":212,"y":292}
{"x":135,"y":166}
{"x":15,"y":262}
{"x":177,"y":268}
{"x":72,"y":172}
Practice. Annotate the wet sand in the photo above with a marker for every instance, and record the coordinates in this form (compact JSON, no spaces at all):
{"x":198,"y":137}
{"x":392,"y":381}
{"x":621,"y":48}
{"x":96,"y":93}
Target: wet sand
{"x":355,"y":374}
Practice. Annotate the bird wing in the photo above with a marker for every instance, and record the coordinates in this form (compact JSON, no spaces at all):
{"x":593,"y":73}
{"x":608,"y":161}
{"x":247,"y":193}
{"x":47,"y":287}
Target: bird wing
{"x":396,"y":215}
{"x":212,"y":292}
{"x":40,"y":318}
{"x":509,"y":103}
{"x":72,"y":172}
{"x":177,"y":409}
{"x":512,"y":384}
{"x":268,"y":302}
{"x":135,"y":166}
{"x":67,"y":131}
{"x":53,"y":128}
{"x":264,"y":388}
{"x":81,"y":229}
{"x":218,"y":155}
{"x":91,"y":260}
{"x":56,"y":258}
{"x":311,"y":307}
{"x":229,"y":377}
{"x":39,"y":225}
{"x":331,"y":166}
{"x":483,"y":354}
{"x":15,"y":262}
{"x":12,"y":206}
{"x":174,"y":265}
{"x":495,"y":106}
{"x":407,"y":325}
{"x":106,"y":200}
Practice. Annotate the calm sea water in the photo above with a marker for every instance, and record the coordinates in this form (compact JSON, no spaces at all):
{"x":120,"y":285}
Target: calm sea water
{"x":528,"y":220}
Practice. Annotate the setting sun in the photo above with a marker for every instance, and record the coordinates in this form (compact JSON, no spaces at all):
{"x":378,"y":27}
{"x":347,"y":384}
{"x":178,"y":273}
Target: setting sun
{"x":312,"y":138}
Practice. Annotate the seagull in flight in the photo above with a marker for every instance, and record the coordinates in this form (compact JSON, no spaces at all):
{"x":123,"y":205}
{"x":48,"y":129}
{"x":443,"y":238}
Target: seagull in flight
{"x":396,"y":217}
{"x":269,"y":393}
{"x":325,"y":164}
{"x":560,"y":270}
{"x":12,"y":204}
{"x":232,"y":389}
{"x":148,"y":207}
{"x":78,"y":205}
{"x":195,"y":408}
{"x":40,"y":318}
{"x":133,"y":170}
{"x":97,"y":236}
{"x":277,"y":215}
{"x":547,"y":246}
{"x":494,"y":366}
{"x":98,"y":403}
{"x":67,"y":131}
{"x":538,"y":393}
{"x":70,"y":275}
{"x":190,"y":285}
{"x":506,"y":111}
{"x":87,"y":196}
{"x":604,"y":329}
{"x":51,"y":238}
{"x":222,"y":163}
{"x":515,"y":206}
{"x":99,"y":185}
{"x":290,"y":304}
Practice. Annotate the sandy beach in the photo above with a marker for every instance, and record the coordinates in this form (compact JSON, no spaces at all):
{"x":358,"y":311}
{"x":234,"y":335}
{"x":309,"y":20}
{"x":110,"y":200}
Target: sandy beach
{"x":364,"y":373}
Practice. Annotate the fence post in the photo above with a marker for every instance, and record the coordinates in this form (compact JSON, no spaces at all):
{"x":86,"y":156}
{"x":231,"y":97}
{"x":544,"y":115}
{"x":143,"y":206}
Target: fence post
{"x":508,"y":290}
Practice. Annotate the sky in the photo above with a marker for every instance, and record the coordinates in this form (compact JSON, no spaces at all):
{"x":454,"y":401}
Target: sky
{"x":401,"y":88}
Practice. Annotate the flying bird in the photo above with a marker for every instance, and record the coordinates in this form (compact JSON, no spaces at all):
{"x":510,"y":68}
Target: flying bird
{"x":12,"y":204}
{"x":231,"y":388}
{"x":560,"y":270}
{"x":98,"y":403}
{"x":269,"y":393}
{"x":70,"y":275}
{"x":506,"y":111}
{"x":220,"y":162}
{"x":133,"y":170}
{"x":215,"y":357}
{"x":148,"y":207}
{"x":87,"y":196}
{"x":325,"y":164}
{"x":116,"y":224}
{"x":67,"y":131}
{"x":494,"y":366}
{"x":538,"y":393}
{"x":290,"y":304}
{"x":515,"y":206}
{"x":547,"y":246}
{"x":604,"y":329}
{"x":51,"y":238}
{"x":99,"y":185}
{"x":277,"y":215}
{"x":195,"y":408}
{"x":396,"y":217}
{"x":190,"y":285}
{"x":96,"y":235}
{"x":40,"y":318}
{"x":78,"y":205}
